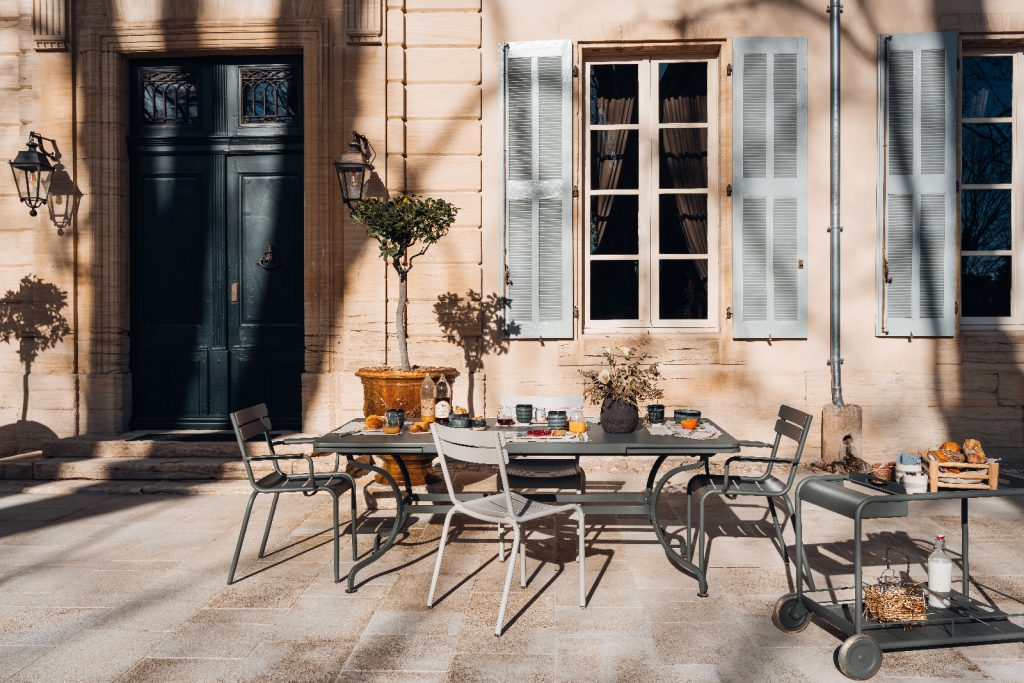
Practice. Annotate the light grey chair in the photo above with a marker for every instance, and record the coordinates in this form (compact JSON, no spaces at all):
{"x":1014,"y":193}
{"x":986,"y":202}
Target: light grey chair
{"x":546,"y":473}
{"x":252,"y":422}
{"x":792,"y":424}
{"x":504,"y":509}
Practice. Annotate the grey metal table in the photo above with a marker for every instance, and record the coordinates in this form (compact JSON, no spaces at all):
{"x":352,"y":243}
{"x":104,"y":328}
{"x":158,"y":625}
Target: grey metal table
{"x":638,"y":443}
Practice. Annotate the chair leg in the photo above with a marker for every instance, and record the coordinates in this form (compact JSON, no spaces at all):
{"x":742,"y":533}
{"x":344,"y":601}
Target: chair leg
{"x":270,"y":520}
{"x":440,"y":554}
{"x":501,"y":543}
{"x":581,"y":531}
{"x":778,"y":530}
{"x":522,"y":563}
{"x":337,"y":541}
{"x":241,"y":537}
{"x":352,"y":525}
{"x":508,"y":581}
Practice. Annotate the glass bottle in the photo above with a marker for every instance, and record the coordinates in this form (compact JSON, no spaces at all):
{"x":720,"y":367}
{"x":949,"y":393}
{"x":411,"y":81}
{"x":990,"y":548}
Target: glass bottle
{"x":442,"y":401}
{"x":427,"y":397}
{"x":940,"y":574}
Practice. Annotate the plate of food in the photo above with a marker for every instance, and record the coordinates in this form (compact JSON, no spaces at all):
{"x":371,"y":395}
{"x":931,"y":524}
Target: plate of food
{"x":546,"y":433}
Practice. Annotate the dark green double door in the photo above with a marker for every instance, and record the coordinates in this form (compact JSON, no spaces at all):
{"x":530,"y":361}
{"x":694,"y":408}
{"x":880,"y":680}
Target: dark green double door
{"x":216,"y":259}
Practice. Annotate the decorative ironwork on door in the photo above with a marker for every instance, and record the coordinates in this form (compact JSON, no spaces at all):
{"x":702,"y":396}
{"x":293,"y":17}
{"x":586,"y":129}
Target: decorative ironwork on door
{"x":169,"y":96}
{"x":269,"y":95}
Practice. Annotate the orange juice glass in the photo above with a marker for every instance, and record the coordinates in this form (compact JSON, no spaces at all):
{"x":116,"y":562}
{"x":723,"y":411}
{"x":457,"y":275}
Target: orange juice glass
{"x":577,"y":425}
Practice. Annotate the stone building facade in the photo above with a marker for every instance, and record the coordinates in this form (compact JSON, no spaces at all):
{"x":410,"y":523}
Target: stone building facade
{"x":422,"y":80}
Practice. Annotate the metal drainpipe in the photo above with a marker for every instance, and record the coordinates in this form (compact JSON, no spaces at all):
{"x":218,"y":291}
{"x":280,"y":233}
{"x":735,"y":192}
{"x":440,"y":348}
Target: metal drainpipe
{"x":835,"y":229}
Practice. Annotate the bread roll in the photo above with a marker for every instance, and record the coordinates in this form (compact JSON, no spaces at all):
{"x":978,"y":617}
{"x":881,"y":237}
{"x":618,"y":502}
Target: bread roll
{"x":974,"y":451}
{"x":374,"y":422}
{"x":950,"y":446}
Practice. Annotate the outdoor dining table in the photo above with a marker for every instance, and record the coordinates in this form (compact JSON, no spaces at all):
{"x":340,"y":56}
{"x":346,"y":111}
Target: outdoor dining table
{"x":639,"y":443}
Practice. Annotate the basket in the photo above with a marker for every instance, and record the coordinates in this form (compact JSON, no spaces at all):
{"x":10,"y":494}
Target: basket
{"x":962,"y":475}
{"x":895,"y":597}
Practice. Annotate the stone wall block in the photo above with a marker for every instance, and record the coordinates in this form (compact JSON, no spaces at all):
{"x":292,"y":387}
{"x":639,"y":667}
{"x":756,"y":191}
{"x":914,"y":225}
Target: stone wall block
{"x":443,"y":29}
{"x":434,"y":5}
{"x":428,"y":136}
{"x":444,"y":101}
{"x":395,"y":63}
{"x":424,"y":174}
{"x":440,"y":65}
{"x":396,"y":27}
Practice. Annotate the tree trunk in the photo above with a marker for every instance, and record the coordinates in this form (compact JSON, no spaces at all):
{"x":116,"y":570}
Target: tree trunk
{"x":403,"y":342}
{"x":24,"y":391}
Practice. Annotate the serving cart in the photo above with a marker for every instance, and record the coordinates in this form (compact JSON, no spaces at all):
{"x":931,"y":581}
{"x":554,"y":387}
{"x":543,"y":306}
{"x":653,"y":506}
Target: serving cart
{"x":967,"y":621}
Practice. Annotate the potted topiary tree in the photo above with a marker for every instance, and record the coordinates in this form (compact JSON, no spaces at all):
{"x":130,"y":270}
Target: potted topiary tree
{"x":404,"y":226}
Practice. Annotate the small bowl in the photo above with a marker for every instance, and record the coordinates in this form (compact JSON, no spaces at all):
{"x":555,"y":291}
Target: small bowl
{"x":458,"y":420}
{"x":478,"y":422}
{"x":524,"y":413}
{"x":686,"y":413}
{"x":557,"y":419}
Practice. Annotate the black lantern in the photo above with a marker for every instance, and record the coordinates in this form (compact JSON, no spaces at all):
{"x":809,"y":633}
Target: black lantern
{"x":32,"y":170}
{"x":63,"y":199}
{"x":355,"y":169}
{"x":41,"y":182}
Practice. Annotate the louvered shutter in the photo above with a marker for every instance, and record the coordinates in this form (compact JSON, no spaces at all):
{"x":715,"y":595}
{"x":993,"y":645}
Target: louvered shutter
{"x":536,"y":105}
{"x":917,"y":264}
{"x":769,"y":188}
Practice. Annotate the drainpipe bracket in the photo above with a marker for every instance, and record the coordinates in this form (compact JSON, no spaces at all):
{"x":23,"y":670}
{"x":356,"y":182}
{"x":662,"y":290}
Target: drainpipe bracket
{"x":829,"y":361}
{"x":836,"y":227}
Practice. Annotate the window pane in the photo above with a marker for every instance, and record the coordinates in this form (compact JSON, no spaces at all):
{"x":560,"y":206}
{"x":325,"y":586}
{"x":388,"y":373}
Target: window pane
{"x":613,"y":159}
{"x":684,"y":157}
{"x":683,"y":92}
{"x":683,"y":290}
{"x":985,"y":220}
{"x":986,"y":153}
{"x":613,"y":224}
{"x":613,"y":90}
{"x":684,"y":223}
{"x":987,"y":86}
{"x":985,"y":286}
{"x":614,"y":290}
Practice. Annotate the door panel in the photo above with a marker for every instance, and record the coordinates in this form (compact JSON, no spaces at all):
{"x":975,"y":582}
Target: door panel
{"x":264,"y":225}
{"x":174,"y":274}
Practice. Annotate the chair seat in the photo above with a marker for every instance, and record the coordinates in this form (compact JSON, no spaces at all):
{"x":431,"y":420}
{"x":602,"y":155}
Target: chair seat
{"x":738,"y":485}
{"x":296,"y":482}
{"x":544,"y":473}
{"x":524,"y":509}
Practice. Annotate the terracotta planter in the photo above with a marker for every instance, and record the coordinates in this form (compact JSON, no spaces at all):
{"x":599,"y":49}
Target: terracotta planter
{"x":385,"y":388}
{"x":619,"y":417}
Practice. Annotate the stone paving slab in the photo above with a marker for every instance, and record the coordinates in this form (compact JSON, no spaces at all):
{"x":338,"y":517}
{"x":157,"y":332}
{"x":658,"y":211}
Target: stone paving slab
{"x":98,"y":584}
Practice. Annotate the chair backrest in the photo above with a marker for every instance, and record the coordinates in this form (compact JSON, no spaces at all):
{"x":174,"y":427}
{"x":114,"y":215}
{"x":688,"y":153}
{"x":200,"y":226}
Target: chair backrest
{"x":466,"y":445}
{"x":545,"y":402}
{"x":250,"y":422}
{"x":795,"y":425}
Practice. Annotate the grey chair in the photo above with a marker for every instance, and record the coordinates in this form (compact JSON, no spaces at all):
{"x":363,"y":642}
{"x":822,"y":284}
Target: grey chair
{"x":792,"y":424}
{"x":504,"y":509}
{"x":546,"y":473}
{"x":253,"y":422}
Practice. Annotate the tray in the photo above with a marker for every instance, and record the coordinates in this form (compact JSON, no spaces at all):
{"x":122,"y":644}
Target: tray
{"x":984,"y":476}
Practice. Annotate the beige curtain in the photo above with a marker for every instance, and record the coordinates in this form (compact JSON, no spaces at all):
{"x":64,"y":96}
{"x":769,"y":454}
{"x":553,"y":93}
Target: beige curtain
{"x":685,"y":158}
{"x":610,"y":148}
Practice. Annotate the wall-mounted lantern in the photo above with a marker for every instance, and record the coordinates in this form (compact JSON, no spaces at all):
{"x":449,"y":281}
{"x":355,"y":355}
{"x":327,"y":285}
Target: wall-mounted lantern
{"x":41,"y":182}
{"x":356,"y":175}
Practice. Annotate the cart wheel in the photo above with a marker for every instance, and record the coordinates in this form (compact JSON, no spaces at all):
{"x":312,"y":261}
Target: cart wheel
{"x":790,"y":615}
{"x":859,"y":657}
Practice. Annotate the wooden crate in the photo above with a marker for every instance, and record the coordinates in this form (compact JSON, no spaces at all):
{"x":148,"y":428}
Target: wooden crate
{"x":982,"y":475}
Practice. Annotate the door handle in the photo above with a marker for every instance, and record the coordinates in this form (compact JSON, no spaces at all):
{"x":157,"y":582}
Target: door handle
{"x":234,"y":291}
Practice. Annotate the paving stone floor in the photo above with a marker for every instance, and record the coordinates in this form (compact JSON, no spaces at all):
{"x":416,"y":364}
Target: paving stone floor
{"x":98,"y":587}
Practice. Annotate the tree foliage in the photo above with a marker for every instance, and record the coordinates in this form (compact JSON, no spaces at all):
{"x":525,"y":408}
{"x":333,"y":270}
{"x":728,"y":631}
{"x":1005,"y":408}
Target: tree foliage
{"x":403,"y":222}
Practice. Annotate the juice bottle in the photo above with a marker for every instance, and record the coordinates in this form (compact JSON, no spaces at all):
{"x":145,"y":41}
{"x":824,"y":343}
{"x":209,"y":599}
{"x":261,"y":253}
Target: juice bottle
{"x":427,"y":398}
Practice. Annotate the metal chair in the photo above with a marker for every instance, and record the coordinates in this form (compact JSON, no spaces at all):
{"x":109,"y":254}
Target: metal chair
{"x":252,"y":422}
{"x":792,"y":424}
{"x":505,"y":508}
{"x":546,"y":473}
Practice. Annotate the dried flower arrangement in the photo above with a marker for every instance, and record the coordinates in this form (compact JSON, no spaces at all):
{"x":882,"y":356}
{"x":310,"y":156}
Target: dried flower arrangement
{"x":628,"y":377}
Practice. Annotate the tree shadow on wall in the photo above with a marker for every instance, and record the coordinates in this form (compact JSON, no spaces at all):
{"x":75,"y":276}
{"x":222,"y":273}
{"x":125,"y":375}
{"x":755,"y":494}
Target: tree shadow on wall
{"x":473,"y":323}
{"x":31,"y":316}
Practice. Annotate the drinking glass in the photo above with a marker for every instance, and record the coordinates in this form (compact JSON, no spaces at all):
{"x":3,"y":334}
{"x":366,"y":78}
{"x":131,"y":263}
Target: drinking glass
{"x":577,"y":425}
{"x":506,"y":417}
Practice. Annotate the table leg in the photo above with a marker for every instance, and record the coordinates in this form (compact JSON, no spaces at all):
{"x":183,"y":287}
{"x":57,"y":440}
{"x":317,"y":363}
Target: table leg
{"x":677,"y":558}
{"x":401,"y":515}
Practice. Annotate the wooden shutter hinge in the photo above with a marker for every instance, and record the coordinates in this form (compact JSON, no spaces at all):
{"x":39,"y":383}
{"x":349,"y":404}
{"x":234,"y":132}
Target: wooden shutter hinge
{"x":956,"y":307}
{"x":575,"y":312}
{"x":575,"y":71}
{"x":575,"y":191}
{"x":728,"y":312}
{"x":728,"y":69}
{"x":728,"y":190}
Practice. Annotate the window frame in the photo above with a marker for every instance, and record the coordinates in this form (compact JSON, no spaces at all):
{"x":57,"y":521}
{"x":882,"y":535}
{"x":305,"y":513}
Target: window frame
{"x":649,"y":194}
{"x":1015,"y":321}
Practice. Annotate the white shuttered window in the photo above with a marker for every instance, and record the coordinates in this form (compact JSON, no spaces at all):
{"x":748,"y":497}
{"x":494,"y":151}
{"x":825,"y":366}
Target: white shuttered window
{"x":536,"y":104}
{"x":917,"y":184}
{"x":769,"y":188}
